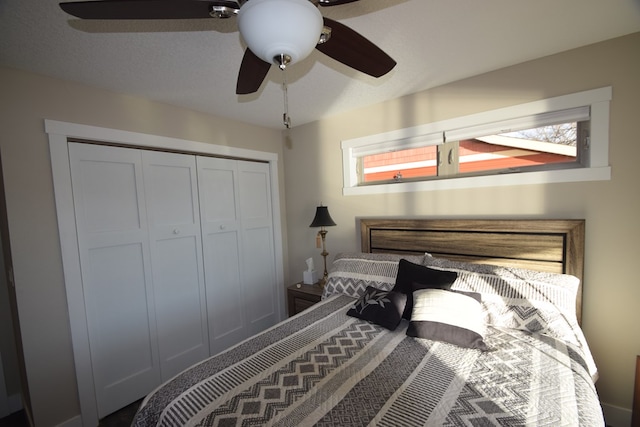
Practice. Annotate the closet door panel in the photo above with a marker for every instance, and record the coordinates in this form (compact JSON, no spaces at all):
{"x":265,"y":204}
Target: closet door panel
{"x":255,"y":194}
{"x":116,"y":272}
{"x":122,"y":342}
{"x":176,"y":255}
{"x":179,"y":304}
{"x":258,"y":246}
{"x":217,"y":180}
{"x":217,"y":183}
{"x":224,"y":292}
{"x":108,"y":188}
{"x":260,"y":294}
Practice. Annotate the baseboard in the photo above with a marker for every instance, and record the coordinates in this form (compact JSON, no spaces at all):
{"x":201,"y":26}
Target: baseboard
{"x":615,"y":416}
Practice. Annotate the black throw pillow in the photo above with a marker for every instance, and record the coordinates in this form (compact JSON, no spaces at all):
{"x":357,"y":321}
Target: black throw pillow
{"x":383,"y":308}
{"x":414,"y":276}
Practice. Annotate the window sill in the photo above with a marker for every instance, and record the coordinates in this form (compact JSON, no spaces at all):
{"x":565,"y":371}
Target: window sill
{"x":516,"y":178}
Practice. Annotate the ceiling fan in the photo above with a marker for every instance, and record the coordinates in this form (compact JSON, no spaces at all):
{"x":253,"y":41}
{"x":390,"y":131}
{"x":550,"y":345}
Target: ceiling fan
{"x":280,"y":32}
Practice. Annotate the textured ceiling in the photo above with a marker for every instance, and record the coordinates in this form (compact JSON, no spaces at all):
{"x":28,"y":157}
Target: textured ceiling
{"x":194,"y":63}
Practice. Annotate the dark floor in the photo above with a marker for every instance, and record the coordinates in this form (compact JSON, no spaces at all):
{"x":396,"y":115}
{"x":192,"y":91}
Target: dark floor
{"x":17,"y":419}
{"x":121,"y":418}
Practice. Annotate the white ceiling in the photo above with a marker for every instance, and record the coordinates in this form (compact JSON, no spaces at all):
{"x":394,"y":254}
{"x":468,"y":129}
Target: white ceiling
{"x":194,"y":63}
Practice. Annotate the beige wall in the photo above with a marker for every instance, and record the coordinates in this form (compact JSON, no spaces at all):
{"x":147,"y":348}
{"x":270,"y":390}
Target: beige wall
{"x":611,"y":208}
{"x":25,"y":102}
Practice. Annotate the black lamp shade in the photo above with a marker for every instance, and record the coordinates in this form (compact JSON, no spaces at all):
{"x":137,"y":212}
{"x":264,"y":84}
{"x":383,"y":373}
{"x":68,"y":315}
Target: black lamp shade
{"x":322,"y":218}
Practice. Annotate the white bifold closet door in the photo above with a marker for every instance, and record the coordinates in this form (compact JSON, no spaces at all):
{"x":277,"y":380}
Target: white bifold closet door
{"x":237,"y":229}
{"x":140,"y":249}
{"x":176,"y":259}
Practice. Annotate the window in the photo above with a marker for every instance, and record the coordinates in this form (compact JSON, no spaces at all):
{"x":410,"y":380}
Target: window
{"x":530,"y":148}
{"x":554,"y":140}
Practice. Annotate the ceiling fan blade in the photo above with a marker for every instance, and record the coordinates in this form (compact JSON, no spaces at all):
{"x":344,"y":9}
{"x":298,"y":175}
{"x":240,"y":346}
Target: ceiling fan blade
{"x":334,"y":2}
{"x":252,"y":72}
{"x":349,"y":47}
{"x":140,"y":9}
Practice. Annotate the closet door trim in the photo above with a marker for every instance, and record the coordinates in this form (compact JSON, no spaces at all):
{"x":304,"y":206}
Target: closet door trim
{"x":59,"y":134}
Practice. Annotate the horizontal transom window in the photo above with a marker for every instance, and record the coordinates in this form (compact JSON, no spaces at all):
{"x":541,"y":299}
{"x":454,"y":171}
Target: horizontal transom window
{"x":554,"y":140}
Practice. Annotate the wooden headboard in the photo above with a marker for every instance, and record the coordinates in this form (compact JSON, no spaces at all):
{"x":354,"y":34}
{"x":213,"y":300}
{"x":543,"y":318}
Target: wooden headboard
{"x":552,"y":245}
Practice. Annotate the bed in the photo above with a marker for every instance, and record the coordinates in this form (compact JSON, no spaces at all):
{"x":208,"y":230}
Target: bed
{"x":435,"y":322}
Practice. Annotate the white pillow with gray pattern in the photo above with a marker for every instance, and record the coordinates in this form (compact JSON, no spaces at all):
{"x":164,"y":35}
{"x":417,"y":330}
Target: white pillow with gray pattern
{"x":352,"y":272}
{"x":532,"y":301}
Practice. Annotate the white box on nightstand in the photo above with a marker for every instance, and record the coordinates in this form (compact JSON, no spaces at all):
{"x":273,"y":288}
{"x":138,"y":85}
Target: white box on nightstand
{"x":309,"y":277}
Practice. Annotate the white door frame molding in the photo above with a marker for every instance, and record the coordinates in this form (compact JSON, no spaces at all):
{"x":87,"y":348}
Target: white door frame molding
{"x":58,"y":134}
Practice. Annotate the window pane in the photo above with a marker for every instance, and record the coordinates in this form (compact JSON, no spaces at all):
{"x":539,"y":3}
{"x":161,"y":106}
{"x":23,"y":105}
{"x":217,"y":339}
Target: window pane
{"x":525,"y":148}
{"x":412,"y":163}
{"x":563,"y":134}
{"x":530,"y":147}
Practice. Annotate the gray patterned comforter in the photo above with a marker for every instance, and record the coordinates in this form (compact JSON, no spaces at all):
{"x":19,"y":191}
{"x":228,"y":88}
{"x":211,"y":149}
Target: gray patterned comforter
{"x":325,"y":368}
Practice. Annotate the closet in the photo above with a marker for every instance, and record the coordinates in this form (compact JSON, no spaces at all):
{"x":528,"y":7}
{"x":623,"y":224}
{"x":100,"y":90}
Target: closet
{"x":177,"y":261}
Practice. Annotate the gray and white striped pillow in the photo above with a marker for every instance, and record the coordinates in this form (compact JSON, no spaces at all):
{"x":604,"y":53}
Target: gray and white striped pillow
{"x":352,"y":272}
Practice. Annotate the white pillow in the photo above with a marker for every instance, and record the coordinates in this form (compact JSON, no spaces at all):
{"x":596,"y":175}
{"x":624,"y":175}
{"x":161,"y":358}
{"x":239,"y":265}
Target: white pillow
{"x":449,"y":316}
{"x":351,"y":273}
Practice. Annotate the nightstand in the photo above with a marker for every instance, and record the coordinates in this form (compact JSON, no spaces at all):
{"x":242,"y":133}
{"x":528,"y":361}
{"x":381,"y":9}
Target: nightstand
{"x":301,"y":296}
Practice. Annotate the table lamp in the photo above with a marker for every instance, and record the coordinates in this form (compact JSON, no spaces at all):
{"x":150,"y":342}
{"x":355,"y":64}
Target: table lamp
{"x":322,"y":220}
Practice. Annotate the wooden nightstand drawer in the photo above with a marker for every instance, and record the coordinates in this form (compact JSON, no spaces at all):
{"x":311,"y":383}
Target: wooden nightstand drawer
{"x":300,"y":297}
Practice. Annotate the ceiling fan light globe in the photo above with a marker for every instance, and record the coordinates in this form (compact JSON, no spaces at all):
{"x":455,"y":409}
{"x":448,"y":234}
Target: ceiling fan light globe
{"x":275,"y":27}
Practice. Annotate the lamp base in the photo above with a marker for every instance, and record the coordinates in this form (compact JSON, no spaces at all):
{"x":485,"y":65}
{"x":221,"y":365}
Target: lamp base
{"x":324,"y":253}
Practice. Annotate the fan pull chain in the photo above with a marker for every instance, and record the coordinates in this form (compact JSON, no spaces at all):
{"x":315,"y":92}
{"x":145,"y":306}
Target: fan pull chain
{"x":285,"y":116}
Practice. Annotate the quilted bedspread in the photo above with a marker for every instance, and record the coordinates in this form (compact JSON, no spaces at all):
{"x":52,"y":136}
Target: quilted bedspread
{"x":325,"y":368}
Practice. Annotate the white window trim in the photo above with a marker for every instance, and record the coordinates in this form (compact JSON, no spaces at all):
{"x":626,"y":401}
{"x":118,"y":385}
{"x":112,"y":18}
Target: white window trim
{"x":596,"y":166}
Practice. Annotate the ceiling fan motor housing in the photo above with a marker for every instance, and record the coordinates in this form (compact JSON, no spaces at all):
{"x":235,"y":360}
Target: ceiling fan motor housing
{"x":272,"y":28}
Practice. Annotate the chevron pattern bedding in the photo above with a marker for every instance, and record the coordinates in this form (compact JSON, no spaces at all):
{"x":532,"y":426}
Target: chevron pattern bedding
{"x":324,"y":368}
